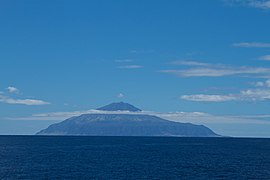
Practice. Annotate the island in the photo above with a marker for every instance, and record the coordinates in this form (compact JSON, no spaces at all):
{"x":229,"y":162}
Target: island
{"x":113,"y":123}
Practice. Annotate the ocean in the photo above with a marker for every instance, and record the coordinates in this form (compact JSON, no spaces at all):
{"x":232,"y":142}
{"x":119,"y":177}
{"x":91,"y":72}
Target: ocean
{"x":67,"y":157}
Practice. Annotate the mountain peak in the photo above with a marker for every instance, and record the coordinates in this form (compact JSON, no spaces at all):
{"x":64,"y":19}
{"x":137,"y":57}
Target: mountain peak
{"x":119,"y":106}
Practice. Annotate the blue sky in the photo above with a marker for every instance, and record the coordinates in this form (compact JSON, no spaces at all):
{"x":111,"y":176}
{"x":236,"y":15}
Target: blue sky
{"x":188,"y":56}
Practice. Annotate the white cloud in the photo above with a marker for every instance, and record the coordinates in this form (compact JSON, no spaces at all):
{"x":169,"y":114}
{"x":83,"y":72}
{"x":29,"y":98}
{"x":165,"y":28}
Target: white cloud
{"x":198,"y":69}
{"x":260,"y":4}
{"x":126,"y":64}
{"x":120,"y":95}
{"x":252,"y":44}
{"x":220,"y":71}
{"x":263,"y":84}
{"x":245,"y":95}
{"x":10,"y":100}
{"x":130,"y":67}
{"x":261,"y":93}
{"x":65,"y":115}
{"x":123,"y":60}
{"x":265,"y":58}
{"x":208,"y":98}
{"x":256,"y":94}
{"x":190,"y":63}
{"x":29,"y":102}
{"x":263,"y":4}
{"x":12,"y":89}
{"x":259,"y":84}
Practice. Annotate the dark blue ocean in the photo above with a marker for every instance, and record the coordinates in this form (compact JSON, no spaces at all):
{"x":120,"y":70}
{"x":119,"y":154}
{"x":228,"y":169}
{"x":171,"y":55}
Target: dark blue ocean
{"x":38,"y":157}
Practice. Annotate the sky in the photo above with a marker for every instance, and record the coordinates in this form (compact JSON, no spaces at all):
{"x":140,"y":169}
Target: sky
{"x":205,"y":62}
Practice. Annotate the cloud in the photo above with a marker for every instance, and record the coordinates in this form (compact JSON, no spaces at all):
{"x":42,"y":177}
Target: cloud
{"x":265,"y":58}
{"x":245,"y":95}
{"x":123,"y":60}
{"x":134,"y":51}
{"x":252,"y":45}
{"x":256,"y":94}
{"x":259,"y":84}
{"x":263,"y":84}
{"x":126,"y":64}
{"x":190,"y":63}
{"x":260,"y":4}
{"x":198,"y":69}
{"x":260,"y":93}
{"x":208,"y":98}
{"x":120,"y":95}
{"x":65,"y":115}
{"x":10,"y":100}
{"x":130,"y":67}
{"x":12,"y":89}
{"x":220,"y":71}
{"x":29,"y":102}
{"x":263,"y":4}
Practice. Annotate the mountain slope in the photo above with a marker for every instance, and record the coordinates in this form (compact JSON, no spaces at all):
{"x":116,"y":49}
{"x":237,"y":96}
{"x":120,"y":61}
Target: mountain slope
{"x":125,"y":125}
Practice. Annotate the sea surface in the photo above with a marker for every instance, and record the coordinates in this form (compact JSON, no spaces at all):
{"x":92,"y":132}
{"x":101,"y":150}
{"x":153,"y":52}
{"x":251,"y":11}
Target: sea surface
{"x":52,"y":157}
